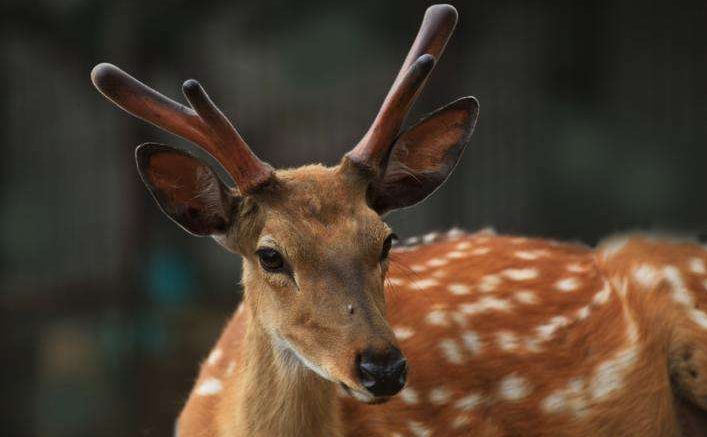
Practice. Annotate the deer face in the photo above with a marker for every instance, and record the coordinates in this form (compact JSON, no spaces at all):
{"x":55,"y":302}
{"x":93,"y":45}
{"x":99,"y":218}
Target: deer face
{"x":315,"y":263}
{"x":313,"y":241}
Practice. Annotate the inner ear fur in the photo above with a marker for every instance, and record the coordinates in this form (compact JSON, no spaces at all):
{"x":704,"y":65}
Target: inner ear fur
{"x":424,"y":155}
{"x":186,"y":189}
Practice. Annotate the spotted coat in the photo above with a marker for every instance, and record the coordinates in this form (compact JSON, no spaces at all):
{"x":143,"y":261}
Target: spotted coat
{"x":511,"y":336}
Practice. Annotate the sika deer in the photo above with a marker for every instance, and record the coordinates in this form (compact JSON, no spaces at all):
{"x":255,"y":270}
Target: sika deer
{"x":503,"y":336}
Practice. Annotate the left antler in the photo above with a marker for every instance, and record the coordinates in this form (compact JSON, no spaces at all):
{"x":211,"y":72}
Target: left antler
{"x":204,"y":125}
{"x":435,"y":30}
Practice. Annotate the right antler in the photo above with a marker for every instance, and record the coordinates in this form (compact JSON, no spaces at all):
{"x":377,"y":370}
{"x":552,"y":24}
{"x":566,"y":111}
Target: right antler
{"x":204,"y":125}
{"x":436,"y":28}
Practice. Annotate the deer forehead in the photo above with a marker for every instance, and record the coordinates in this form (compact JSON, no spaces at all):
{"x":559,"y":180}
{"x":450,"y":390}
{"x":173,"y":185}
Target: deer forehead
{"x":320,"y":210}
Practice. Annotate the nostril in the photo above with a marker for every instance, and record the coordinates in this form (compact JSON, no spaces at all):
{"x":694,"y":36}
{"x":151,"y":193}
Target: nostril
{"x":365,"y":372}
{"x":400,"y":364}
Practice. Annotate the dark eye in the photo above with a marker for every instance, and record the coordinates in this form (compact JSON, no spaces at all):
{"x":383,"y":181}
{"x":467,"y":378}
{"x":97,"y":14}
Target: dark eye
{"x":386,"y":246}
{"x":270,"y":259}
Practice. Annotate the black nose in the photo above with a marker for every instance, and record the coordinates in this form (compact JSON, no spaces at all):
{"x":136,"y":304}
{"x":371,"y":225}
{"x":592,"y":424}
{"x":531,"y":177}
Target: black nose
{"x":382,"y":372}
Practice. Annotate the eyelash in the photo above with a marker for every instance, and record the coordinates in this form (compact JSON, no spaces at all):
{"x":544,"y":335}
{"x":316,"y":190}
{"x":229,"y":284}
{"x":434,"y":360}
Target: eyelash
{"x":387,"y":244}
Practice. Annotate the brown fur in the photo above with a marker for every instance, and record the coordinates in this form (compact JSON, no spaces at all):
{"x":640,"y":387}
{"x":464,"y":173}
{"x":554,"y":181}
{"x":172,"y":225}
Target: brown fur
{"x":320,"y":220}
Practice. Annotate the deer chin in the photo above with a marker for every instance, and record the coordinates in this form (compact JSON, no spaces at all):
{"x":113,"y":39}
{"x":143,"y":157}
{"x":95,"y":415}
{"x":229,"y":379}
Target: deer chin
{"x":363,"y":396}
{"x":296,"y":360}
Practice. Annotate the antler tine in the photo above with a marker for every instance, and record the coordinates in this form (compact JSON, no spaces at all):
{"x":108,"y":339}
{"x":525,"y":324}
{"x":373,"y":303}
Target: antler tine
{"x":436,"y":28}
{"x":243,"y":165}
{"x":204,"y":125}
{"x":143,"y":102}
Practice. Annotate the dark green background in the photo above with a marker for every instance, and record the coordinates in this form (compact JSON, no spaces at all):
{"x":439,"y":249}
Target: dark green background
{"x":592,"y":122}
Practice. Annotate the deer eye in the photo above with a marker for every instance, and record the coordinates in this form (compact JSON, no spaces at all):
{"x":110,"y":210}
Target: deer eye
{"x":386,"y":246}
{"x":270,"y":260}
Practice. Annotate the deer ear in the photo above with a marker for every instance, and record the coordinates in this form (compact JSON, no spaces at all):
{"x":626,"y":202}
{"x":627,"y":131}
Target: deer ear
{"x":424,"y":155}
{"x":186,"y":189}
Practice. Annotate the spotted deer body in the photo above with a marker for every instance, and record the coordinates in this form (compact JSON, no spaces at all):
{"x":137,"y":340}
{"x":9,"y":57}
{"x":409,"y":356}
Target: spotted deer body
{"x":463,"y":334}
{"x":514,"y":336}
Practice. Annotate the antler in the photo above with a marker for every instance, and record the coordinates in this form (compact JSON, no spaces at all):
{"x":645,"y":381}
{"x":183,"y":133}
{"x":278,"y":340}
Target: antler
{"x":435,"y":30}
{"x":204,"y":125}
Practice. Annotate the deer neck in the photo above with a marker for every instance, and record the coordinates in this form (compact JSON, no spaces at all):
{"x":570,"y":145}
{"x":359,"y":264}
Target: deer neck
{"x":276,"y":395}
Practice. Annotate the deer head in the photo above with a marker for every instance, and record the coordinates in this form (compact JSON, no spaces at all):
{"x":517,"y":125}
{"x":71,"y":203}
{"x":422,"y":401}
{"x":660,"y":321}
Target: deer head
{"x":314,"y":245}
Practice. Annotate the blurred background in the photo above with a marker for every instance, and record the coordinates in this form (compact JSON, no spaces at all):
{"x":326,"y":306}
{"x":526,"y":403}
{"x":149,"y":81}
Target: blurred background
{"x":592,"y":122}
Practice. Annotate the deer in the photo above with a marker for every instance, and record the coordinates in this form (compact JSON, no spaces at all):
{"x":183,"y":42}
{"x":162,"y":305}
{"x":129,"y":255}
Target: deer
{"x":344,"y":331}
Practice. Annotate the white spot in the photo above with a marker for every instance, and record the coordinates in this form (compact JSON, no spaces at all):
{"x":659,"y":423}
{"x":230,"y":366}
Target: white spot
{"x":602,"y":296}
{"x":214,"y":356}
{"x":451,"y":351}
{"x":583,"y":312}
{"x":472,"y":342}
{"x":547,"y":330}
{"x":429,"y":238}
{"x":518,"y":240}
{"x":699,"y":317}
{"x":613,"y":246}
{"x":460,"y":421}
{"x":440,"y":395}
{"x":464,"y":245}
{"x":395,"y":281}
{"x":210,"y":386}
{"x":424,"y":283}
{"x":680,"y":293}
{"x":576,"y":268}
{"x":489,"y":283}
{"x":571,"y":398}
{"x":485,"y":233}
{"x":697,"y":266}
{"x":526,"y":297}
{"x":480,"y":251}
{"x":468,"y":402}
{"x":437,"y":317}
{"x":520,"y":274}
{"x":645,"y":275}
{"x":436,"y":262}
{"x":485,"y":304}
{"x":231,"y":368}
{"x":458,"y":289}
{"x":554,"y":403}
{"x":455,"y":254}
{"x":507,"y":341}
{"x":418,"y":268}
{"x":418,"y":429}
{"x":412,"y":240}
{"x":514,"y":388}
{"x":609,"y":375}
{"x":532,"y":344}
{"x":439,"y":274}
{"x":403,"y":333}
{"x":459,"y":318}
{"x":455,"y":233}
{"x":525,"y":254}
{"x":409,"y":396}
{"x":567,"y":284}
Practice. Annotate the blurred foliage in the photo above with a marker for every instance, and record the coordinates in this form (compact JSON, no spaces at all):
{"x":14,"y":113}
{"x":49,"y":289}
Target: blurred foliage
{"x":591,"y":123}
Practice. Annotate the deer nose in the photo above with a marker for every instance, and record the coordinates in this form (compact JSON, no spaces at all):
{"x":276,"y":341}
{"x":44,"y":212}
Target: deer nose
{"x":382,"y":373}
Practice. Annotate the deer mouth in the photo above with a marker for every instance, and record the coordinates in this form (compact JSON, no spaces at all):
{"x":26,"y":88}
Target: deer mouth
{"x":364,"y":396}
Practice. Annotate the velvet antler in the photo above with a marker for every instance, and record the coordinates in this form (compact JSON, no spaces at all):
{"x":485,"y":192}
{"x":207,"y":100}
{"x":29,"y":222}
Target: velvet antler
{"x":203,"y":124}
{"x":435,"y":30}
